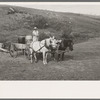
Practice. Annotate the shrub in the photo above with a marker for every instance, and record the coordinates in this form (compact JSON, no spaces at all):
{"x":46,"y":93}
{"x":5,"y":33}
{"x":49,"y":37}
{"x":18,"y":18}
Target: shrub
{"x":63,"y":27}
{"x":40,"y":22}
{"x":66,"y":30}
{"x":35,"y":21}
{"x":55,"y":24}
{"x":43,"y":36}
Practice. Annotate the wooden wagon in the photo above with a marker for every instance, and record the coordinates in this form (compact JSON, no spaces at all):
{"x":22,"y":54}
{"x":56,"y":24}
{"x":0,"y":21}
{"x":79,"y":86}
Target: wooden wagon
{"x":15,"y":48}
{"x":2,"y":49}
{"x":22,"y":45}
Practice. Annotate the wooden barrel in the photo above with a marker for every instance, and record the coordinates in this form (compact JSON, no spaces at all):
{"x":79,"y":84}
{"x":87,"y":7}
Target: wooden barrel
{"x":21,"y":39}
{"x":28,"y":39}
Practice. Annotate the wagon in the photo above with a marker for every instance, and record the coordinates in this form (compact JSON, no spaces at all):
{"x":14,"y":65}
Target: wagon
{"x":2,"y":49}
{"x":22,"y":45}
{"x":15,"y":48}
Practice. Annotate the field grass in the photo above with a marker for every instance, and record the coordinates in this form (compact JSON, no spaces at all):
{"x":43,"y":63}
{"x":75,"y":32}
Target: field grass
{"x":81,"y":64}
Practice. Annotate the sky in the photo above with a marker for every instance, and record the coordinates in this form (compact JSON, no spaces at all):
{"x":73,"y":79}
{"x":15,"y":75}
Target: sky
{"x":92,"y":8}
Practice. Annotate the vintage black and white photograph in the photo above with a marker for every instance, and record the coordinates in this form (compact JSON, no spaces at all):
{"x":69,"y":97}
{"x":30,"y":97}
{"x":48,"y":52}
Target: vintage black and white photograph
{"x":49,"y":41}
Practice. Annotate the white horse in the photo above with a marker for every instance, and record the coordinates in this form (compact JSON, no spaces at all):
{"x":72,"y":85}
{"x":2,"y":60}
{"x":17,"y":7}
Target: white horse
{"x":50,"y":43}
{"x":42,"y":47}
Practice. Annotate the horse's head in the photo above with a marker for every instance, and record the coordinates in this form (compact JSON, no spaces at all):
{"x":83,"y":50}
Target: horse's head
{"x":64,"y":44}
{"x":53,"y":43}
{"x":70,"y":45}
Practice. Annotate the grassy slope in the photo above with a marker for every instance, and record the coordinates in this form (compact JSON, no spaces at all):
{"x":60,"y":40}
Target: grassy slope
{"x":78,"y":65}
{"x":83,"y":26}
{"x":81,"y":64}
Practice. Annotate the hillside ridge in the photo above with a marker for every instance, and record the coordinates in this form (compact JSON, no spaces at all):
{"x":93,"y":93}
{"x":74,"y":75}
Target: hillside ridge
{"x":22,"y":21}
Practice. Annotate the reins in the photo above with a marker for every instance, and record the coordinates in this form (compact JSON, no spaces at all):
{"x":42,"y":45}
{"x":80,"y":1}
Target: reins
{"x":38,"y":49}
{"x":45,"y":45}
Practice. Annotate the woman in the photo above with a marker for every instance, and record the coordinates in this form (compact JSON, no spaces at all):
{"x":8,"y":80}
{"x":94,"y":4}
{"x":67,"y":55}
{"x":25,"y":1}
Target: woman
{"x":35,"y":34}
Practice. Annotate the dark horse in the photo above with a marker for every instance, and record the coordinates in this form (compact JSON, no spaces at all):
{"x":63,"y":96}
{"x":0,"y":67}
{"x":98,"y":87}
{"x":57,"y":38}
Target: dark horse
{"x":65,"y":44}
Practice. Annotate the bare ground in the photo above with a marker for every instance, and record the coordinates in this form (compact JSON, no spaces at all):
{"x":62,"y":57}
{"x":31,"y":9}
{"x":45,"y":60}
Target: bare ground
{"x":81,"y":64}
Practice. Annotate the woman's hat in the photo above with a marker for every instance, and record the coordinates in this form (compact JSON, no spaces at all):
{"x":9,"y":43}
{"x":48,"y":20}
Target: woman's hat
{"x":35,"y":28}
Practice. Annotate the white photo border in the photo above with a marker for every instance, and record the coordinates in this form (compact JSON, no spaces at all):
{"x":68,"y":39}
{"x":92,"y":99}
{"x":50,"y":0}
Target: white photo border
{"x":50,"y":89}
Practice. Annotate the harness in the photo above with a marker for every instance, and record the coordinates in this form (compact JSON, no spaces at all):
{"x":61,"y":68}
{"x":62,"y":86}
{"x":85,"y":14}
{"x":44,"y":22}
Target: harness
{"x":46,"y":44}
{"x":48,"y":47}
{"x":37,"y":50}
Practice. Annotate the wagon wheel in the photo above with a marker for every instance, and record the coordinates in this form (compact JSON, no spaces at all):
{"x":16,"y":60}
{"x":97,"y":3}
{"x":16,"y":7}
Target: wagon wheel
{"x":27,"y":53}
{"x":13,"y":53}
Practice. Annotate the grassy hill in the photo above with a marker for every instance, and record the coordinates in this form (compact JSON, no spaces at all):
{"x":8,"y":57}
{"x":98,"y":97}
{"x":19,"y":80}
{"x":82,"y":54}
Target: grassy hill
{"x":22,"y":21}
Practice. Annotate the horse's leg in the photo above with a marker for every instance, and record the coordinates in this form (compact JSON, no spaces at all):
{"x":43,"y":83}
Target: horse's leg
{"x":35,"y":57}
{"x":31,"y":55}
{"x":46,"y":54}
{"x":44,"y":58}
{"x":62,"y":56}
{"x":28,"y":53}
{"x":54,"y":56}
{"x":24,"y":52}
{"x":58,"y":58}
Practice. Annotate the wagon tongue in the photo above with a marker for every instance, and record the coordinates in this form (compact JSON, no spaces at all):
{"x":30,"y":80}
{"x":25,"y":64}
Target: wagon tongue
{"x":4,"y":50}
